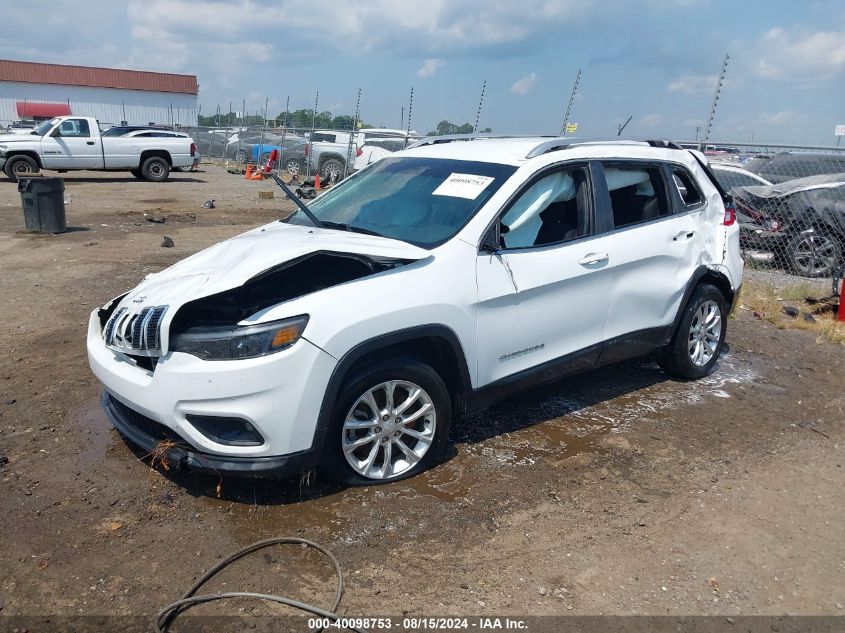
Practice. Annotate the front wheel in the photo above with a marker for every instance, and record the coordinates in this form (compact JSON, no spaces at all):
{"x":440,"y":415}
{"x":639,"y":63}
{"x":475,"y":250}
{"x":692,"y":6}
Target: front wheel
{"x":814,"y":254}
{"x":156,"y":169}
{"x":20,"y":167}
{"x":390,"y":421}
{"x":293,"y":167}
{"x":240,"y":156}
{"x":694,"y":349}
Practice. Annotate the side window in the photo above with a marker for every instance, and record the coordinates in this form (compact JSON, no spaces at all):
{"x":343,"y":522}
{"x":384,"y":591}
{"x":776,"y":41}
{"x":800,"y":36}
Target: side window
{"x":686,"y":187}
{"x":554,"y":209}
{"x":637,"y":193}
{"x":74,"y":128}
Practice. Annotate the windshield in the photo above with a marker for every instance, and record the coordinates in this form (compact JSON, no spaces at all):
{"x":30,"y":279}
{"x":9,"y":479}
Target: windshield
{"x":42,"y":129}
{"x":423,"y":201}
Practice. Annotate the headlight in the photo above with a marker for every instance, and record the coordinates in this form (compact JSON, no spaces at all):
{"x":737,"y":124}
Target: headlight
{"x":239,"y":342}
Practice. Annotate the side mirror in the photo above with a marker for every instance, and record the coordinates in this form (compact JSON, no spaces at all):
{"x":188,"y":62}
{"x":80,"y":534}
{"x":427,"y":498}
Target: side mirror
{"x":492,"y":241}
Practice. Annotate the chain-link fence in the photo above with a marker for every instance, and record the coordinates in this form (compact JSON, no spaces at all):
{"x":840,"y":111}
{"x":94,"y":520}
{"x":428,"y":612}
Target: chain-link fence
{"x":790,"y":203}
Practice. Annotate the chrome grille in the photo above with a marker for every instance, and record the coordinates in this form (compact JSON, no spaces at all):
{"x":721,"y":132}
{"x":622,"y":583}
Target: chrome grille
{"x":135,"y":332}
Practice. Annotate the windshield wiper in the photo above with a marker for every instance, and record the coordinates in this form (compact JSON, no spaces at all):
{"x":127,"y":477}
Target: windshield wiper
{"x":352,"y":229}
{"x":290,"y":194}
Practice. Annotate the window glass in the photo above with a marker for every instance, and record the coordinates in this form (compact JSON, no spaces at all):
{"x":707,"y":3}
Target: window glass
{"x":554,"y":209}
{"x":74,"y":128}
{"x":424,"y":201}
{"x":636,"y":193}
{"x":731,"y":179}
{"x":686,"y":187}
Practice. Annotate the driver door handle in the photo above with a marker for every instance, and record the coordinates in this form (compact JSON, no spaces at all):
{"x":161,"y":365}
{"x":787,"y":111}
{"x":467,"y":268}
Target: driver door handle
{"x":686,"y":235}
{"x":89,"y":142}
{"x":593,"y":258}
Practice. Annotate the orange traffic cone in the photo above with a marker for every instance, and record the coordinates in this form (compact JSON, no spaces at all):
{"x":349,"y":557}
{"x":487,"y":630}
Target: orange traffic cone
{"x":248,"y":173}
{"x":317,"y":181}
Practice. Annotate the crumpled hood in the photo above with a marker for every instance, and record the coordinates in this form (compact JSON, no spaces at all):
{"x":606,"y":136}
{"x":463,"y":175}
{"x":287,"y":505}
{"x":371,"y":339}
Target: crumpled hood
{"x":231,"y":263}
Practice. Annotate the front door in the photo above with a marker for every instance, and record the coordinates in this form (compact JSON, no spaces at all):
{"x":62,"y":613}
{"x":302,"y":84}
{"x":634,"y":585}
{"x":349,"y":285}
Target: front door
{"x":71,"y":145}
{"x":543,"y":297}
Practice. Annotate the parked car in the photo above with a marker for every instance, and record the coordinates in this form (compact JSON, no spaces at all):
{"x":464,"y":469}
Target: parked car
{"x":291,"y":153}
{"x":377,"y":148}
{"x":731,"y":175}
{"x":791,"y":165}
{"x":799,"y":223}
{"x":331,"y":339}
{"x":24,"y":126}
{"x":72,"y":143}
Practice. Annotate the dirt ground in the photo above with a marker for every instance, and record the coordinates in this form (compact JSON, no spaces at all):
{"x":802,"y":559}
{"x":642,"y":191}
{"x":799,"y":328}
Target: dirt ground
{"x":617,"y":492}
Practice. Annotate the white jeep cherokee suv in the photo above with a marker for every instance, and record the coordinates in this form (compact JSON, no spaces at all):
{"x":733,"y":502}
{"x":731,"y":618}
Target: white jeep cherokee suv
{"x":429,"y":285}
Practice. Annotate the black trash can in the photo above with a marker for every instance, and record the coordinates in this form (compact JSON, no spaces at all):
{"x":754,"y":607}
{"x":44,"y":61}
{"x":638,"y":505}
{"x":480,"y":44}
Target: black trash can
{"x":43,"y":202}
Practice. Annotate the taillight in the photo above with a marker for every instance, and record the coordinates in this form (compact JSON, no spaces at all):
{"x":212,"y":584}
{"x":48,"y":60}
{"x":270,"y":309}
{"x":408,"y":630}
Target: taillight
{"x":307,"y":150}
{"x":193,"y":149}
{"x":358,"y":151}
{"x":730,"y":215}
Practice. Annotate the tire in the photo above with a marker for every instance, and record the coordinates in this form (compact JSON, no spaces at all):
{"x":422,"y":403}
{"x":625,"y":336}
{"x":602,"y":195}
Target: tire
{"x":330,"y":167}
{"x":156,"y":169}
{"x":137,"y":173}
{"x":432,"y":426}
{"x":682,"y":357}
{"x":814,"y":254}
{"x":293,"y":167}
{"x":20,"y":167}
{"x":240,"y":156}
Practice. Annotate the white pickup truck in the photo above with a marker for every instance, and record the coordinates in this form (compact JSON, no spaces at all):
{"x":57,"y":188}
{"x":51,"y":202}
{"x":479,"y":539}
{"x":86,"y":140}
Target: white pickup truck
{"x":72,"y":142}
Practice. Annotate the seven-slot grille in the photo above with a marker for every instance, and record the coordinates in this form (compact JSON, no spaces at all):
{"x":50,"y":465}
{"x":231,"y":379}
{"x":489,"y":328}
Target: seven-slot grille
{"x":135,"y":332}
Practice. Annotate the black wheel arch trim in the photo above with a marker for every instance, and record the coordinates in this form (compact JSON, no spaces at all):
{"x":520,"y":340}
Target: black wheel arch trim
{"x":381,"y":342}
{"x":702,"y":273}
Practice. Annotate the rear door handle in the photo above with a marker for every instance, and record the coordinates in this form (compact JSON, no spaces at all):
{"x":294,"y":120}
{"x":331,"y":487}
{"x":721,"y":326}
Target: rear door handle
{"x":593,"y":258}
{"x":89,"y":142}
{"x":683,"y":235}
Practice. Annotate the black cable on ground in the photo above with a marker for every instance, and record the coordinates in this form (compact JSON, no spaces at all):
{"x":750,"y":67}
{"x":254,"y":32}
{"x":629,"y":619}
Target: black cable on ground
{"x":169,"y":613}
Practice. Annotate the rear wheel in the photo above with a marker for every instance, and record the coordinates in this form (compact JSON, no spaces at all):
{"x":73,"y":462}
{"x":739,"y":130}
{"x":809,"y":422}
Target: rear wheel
{"x":20,"y":167}
{"x":390,"y":421}
{"x":156,"y":169}
{"x":698,"y":341}
{"x":814,"y":254}
{"x":331,"y":170}
{"x":240,"y":156}
{"x":293,"y":167}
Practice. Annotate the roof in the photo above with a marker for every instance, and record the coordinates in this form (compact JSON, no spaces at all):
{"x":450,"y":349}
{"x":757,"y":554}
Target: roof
{"x":60,"y":74}
{"x":516,"y":150}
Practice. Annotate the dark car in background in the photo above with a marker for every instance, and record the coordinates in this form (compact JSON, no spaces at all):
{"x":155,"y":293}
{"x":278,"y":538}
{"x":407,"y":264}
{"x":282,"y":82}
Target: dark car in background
{"x":799,"y":224}
{"x":791,"y":165}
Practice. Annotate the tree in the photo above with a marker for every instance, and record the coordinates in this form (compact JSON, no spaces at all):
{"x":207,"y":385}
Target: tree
{"x":445,"y":128}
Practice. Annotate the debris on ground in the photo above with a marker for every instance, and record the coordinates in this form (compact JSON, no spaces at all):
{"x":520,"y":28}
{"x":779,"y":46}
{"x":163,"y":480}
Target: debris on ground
{"x":160,"y":220}
{"x":167,"y":242}
{"x":208,"y":204}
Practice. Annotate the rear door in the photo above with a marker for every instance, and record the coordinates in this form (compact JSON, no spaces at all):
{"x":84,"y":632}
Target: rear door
{"x":543,"y":297}
{"x":655,"y":245}
{"x":72,"y":145}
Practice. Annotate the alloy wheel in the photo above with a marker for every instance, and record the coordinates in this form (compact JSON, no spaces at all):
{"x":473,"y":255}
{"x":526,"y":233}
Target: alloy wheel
{"x":389,"y":429}
{"x":814,"y":255}
{"x":705,"y":333}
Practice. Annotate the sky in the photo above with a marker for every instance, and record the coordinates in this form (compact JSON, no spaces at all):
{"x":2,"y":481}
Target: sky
{"x":656,"y":61}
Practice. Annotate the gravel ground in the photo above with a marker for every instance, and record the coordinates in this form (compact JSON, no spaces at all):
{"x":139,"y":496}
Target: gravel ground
{"x":620,"y":491}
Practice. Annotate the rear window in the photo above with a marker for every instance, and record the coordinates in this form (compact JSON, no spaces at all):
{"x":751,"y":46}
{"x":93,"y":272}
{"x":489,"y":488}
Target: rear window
{"x":637,"y":193}
{"x":688,"y":190}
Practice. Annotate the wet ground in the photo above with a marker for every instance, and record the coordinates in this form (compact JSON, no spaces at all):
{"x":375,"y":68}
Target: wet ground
{"x":616,"y":492}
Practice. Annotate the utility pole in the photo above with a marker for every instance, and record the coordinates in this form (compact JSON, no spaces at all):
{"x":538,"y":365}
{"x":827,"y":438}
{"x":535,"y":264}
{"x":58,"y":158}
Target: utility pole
{"x":571,"y":99}
{"x":624,"y":125}
{"x":352,"y":134}
{"x":697,"y":131}
{"x":715,"y":102}
{"x":402,"y":120}
{"x":480,"y":103}
{"x":410,"y":112}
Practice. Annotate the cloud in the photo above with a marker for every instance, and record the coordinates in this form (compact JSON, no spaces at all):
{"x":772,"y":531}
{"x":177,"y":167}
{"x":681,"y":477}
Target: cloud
{"x":525,"y":85}
{"x":429,"y":67}
{"x":650,"y":121}
{"x":800,"y":54}
{"x":782,"y":118}
{"x":693,"y":83}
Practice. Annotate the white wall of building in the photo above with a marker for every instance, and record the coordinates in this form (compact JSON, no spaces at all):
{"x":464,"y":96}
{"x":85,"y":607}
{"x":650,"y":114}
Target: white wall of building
{"x":105,"y":104}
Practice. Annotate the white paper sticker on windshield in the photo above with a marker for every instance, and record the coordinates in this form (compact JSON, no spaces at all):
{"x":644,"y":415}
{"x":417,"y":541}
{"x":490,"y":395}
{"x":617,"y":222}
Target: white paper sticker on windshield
{"x":463,"y":186}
